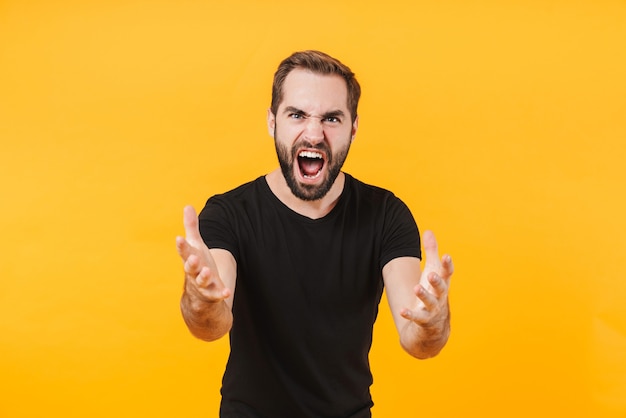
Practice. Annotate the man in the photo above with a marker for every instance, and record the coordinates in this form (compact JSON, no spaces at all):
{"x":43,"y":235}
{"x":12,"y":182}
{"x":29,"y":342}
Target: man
{"x":293,"y":264}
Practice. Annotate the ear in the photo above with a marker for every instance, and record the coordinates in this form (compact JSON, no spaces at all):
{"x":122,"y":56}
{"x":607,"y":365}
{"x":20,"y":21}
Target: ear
{"x":271,"y":122}
{"x":355,"y":126}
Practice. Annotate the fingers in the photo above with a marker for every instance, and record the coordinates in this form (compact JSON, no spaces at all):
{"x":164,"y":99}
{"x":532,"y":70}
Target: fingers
{"x":429,"y":310}
{"x":430,"y":303}
{"x":203,"y":283}
{"x":186,"y":250}
{"x":423,"y":309}
{"x":410,"y":315}
{"x":191,"y":261}
{"x":211,"y":286}
{"x":202,"y":279}
{"x":432,"y":262}
{"x":438,"y":285}
{"x":183,"y":247}
{"x":447,"y":267}
{"x":433,"y":304}
{"x":192,"y":241}
{"x":192,"y":267}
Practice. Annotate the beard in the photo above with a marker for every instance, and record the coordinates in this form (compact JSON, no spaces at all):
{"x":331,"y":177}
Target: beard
{"x":310,"y":192}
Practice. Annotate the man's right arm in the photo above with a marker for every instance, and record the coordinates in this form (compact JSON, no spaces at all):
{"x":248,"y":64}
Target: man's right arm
{"x":210,"y":276}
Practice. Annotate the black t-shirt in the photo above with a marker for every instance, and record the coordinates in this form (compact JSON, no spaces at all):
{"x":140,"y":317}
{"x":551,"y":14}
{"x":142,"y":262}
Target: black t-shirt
{"x":306,"y":297}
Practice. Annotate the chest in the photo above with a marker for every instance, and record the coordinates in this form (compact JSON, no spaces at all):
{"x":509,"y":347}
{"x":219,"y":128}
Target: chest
{"x":332,"y":265}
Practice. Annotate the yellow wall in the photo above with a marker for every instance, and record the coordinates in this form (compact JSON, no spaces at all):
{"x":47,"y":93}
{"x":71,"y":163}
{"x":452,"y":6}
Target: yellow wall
{"x":501,"y":124}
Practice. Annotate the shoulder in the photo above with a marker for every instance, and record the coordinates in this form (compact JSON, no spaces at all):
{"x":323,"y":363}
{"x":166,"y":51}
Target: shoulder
{"x":365,"y":193}
{"x":241,"y":192}
{"x":239,"y":203}
{"x":238,"y":196}
{"x":379,"y":201}
{"x":225,"y":216}
{"x":388,"y":217}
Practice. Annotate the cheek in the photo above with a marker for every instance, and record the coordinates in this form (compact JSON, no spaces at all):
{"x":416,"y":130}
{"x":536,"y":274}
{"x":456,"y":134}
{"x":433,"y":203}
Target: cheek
{"x":287,"y":134}
{"x":340,"y":138}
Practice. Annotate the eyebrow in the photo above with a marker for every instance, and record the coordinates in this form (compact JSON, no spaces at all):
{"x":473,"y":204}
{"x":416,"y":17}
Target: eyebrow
{"x":332,"y":114}
{"x":291,"y":109}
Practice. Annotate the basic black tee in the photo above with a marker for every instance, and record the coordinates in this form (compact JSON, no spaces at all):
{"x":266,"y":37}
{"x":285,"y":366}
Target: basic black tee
{"x":306,"y":297}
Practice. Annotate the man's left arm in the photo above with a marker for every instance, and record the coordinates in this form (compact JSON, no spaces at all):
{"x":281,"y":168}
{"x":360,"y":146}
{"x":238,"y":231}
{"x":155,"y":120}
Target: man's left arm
{"x":419,"y":300}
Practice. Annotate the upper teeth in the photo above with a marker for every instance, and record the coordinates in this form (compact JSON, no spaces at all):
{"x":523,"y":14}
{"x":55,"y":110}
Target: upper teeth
{"x":310,"y":154}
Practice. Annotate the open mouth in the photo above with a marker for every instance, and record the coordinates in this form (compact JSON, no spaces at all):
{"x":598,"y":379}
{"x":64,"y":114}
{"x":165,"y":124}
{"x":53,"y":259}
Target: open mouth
{"x":310,"y":164}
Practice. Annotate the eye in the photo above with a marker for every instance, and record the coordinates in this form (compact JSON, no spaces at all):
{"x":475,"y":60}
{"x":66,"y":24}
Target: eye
{"x":332,"y":119}
{"x":296,"y":116}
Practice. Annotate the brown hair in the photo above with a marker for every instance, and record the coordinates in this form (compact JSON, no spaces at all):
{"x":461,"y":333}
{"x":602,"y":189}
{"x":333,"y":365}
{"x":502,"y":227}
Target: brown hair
{"x":320,"y":63}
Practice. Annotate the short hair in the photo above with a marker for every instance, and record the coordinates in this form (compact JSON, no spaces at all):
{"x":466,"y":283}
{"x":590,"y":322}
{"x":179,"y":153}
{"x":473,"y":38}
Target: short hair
{"x":320,"y":63}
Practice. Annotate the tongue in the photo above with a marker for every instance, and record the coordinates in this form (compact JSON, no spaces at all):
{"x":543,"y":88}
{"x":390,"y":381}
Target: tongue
{"x":310,"y":166}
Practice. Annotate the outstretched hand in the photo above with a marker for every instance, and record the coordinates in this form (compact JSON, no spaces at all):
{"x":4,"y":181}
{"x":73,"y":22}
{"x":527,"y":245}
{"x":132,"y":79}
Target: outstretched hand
{"x":202,"y":279}
{"x":431,"y":309}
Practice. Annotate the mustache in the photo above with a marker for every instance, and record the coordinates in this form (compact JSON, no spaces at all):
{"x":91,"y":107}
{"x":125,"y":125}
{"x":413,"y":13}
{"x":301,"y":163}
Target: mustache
{"x":322,"y":146}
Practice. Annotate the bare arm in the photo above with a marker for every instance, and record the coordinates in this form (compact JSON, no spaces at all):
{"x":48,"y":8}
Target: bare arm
{"x":210,"y":275}
{"x":419,"y":300}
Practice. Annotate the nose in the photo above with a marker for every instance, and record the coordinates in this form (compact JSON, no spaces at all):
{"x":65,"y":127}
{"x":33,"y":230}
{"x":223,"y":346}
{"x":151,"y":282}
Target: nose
{"x":314,"y":130}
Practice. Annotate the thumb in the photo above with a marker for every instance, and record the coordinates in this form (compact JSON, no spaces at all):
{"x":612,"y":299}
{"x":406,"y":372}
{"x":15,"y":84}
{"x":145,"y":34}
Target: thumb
{"x":190,"y":221}
{"x":431,"y":249}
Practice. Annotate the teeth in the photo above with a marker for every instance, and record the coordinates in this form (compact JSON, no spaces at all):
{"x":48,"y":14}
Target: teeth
{"x":310,"y":154}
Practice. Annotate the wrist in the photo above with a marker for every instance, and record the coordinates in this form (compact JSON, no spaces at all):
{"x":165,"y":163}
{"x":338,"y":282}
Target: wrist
{"x":207,"y":320}
{"x":425,"y":341}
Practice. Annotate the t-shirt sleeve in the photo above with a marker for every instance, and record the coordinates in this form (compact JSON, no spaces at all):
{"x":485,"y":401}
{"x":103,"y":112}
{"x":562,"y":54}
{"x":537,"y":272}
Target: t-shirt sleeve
{"x":217,"y":226}
{"x":401,"y":236}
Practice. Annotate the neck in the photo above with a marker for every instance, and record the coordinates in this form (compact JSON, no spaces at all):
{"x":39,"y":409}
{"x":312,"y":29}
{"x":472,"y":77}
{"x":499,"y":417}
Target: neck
{"x":314,"y":209}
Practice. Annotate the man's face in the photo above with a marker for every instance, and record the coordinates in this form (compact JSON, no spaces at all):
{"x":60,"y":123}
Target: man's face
{"x":312,"y":131}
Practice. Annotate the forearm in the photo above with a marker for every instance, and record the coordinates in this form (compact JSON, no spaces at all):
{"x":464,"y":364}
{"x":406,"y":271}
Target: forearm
{"x":207,"y":321}
{"x":425,"y":342}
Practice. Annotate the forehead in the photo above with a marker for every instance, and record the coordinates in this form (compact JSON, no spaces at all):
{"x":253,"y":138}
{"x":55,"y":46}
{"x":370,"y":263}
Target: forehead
{"x":313,"y":92}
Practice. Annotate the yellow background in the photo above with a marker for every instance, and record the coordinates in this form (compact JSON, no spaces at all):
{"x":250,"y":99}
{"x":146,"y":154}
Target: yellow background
{"x":501,"y":124}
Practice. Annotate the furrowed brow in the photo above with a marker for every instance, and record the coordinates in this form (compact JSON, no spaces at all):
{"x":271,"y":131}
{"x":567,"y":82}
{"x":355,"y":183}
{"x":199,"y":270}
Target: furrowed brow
{"x":334,"y":114}
{"x":339,"y":114}
{"x":291,"y":109}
